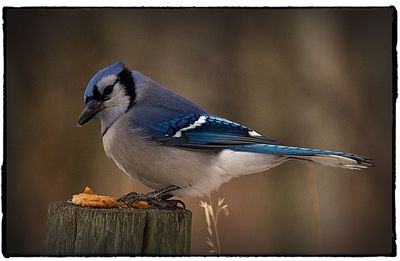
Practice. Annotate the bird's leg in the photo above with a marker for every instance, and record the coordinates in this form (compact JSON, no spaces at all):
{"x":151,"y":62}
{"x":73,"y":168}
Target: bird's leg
{"x":158,"y":198}
{"x":162,"y":194}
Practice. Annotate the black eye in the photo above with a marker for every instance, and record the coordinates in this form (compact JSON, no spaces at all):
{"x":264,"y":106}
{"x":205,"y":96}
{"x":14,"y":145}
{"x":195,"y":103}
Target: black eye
{"x":108,"y":89}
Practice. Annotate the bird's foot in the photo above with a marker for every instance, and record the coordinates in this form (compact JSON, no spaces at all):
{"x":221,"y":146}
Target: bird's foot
{"x":156,"y":199}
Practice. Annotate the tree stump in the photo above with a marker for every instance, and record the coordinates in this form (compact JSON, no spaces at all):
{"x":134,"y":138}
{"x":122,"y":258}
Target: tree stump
{"x":75,"y":230}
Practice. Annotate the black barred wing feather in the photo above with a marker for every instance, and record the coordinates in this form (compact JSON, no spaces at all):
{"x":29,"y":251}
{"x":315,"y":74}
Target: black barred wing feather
{"x":196,"y":131}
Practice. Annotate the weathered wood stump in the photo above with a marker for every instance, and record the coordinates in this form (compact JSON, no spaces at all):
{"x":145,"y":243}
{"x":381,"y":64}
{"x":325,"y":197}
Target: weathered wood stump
{"x":75,"y":230}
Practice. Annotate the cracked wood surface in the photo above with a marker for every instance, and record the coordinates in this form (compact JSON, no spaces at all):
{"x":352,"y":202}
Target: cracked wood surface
{"x":76,"y":230}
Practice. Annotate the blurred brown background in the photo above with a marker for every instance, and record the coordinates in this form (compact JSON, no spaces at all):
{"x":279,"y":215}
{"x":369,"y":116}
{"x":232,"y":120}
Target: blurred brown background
{"x":306,"y":77}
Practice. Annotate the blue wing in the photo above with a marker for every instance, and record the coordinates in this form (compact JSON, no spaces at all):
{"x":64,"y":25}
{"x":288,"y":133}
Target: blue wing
{"x":168,"y":119}
{"x":204,"y":132}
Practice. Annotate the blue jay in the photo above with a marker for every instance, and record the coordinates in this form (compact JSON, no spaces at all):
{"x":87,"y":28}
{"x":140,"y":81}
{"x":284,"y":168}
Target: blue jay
{"x":174,"y":146}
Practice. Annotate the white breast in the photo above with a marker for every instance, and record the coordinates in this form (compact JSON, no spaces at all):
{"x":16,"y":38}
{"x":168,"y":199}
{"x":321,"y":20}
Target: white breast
{"x":159,"y":166}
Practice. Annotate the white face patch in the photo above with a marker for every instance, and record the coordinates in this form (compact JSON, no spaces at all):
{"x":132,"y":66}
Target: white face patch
{"x":105,"y":81}
{"x":118,"y":98}
{"x":254,"y":134}
{"x":199,"y":122}
{"x":115,"y":106}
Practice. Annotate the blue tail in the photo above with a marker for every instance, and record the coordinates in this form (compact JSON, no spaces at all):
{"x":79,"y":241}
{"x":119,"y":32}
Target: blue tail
{"x":325,"y":157}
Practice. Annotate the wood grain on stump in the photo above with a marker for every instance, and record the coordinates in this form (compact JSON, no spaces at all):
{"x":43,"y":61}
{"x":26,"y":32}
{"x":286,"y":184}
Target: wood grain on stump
{"x":76,"y":230}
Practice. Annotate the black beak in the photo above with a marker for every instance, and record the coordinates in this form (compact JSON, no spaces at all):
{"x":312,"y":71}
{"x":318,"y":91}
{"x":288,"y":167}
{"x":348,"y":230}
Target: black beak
{"x":91,"y":109}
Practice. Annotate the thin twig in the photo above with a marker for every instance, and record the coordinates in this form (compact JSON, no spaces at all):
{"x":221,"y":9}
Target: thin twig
{"x":215,"y":223}
{"x":212,"y":217}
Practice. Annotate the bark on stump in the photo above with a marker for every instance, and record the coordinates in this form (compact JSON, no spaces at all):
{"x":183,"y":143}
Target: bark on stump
{"x":75,"y":230}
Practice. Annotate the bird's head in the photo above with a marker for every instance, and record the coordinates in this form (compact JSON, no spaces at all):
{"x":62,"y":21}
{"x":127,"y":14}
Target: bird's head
{"x":109,"y":94}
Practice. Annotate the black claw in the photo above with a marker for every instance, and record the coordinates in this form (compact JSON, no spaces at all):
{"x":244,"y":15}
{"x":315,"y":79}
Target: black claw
{"x":132,"y":196}
{"x":162,"y":194}
{"x":156,"y":199}
{"x":179,"y":202}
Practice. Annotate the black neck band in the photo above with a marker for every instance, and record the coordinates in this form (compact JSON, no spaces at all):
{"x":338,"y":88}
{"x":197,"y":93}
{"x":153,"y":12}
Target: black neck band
{"x":126,"y":80}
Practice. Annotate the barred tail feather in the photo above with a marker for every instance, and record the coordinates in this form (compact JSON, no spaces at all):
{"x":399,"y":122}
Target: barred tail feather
{"x":324,"y":157}
{"x":341,"y":161}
